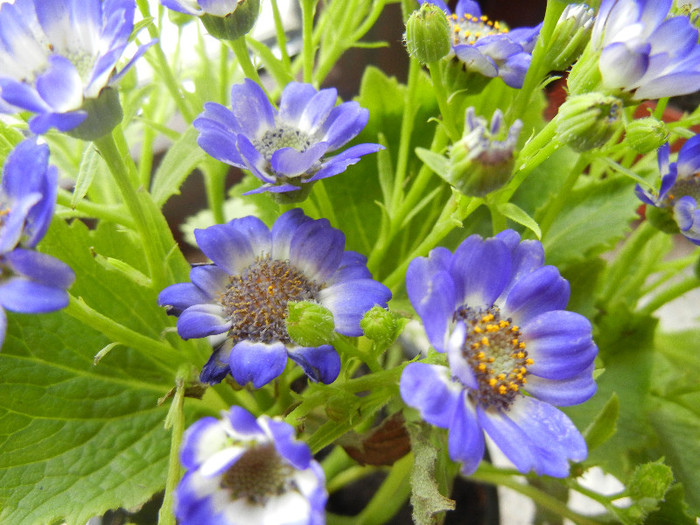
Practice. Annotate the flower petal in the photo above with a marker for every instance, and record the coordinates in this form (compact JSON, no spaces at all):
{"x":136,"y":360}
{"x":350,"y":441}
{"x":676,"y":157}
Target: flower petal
{"x":21,"y":295}
{"x":565,"y":392}
{"x":539,"y":291}
{"x":430,"y":390}
{"x":320,"y":364}
{"x":466,"y":439}
{"x":202,"y":320}
{"x":226,"y":247}
{"x":257,"y":363}
{"x":252,"y":110}
{"x":317,"y":249}
{"x":348,"y":301}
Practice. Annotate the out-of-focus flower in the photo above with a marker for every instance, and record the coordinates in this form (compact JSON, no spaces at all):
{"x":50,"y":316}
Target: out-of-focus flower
{"x":30,"y":282}
{"x":679,"y":192}
{"x":498,"y":313}
{"x":285,"y":149}
{"x":256,"y":273}
{"x":487,"y":47}
{"x":482,"y":161}
{"x":242,"y":470}
{"x":224,"y":19}
{"x":55,"y":56}
{"x":644,"y":53}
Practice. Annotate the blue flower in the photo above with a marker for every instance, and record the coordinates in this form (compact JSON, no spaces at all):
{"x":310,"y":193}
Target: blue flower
{"x":56,"y":55}
{"x":286,"y":149}
{"x":244,"y":295}
{"x":645,"y":53}
{"x":680,"y":187}
{"x":498,"y":313}
{"x":194,"y":7}
{"x":242,"y":470}
{"x":30,"y":282}
{"x":487,"y":47}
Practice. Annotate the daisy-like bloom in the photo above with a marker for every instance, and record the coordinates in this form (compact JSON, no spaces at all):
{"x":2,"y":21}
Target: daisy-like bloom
{"x":242,"y":470}
{"x":498,"y":313}
{"x":256,"y":273}
{"x":643,"y":52}
{"x":30,"y":282}
{"x":680,"y":187}
{"x":482,"y":161}
{"x":489,"y":47}
{"x":287,"y":148}
{"x":55,"y":56}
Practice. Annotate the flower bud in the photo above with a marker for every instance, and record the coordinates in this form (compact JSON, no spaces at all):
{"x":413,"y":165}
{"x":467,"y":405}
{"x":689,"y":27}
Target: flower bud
{"x":428,"y":34}
{"x":103,"y":115}
{"x":571,"y":34}
{"x":380,"y":325}
{"x":309,"y":324}
{"x":235,"y":24}
{"x":646,"y":134}
{"x":482,"y":161}
{"x":662,"y":219}
{"x":588,"y":121}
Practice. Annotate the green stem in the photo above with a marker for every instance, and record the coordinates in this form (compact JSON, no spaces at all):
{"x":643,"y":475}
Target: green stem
{"x":85,"y":208}
{"x":553,"y":208}
{"x":214,"y":186}
{"x":240,"y":49}
{"x":281,"y":36}
{"x":223,"y":74}
{"x":155,"y":257}
{"x":669,"y":294}
{"x":441,"y":97}
{"x":345,"y":347}
{"x":324,"y":203}
{"x":308,"y":9}
{"x":391,"y":495}
{"x":175,"y":421}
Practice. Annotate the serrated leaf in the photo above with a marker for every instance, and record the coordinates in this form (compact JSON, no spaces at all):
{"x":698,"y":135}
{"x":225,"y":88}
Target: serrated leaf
{"x":516,"y":214}
{"x":180,"y":160}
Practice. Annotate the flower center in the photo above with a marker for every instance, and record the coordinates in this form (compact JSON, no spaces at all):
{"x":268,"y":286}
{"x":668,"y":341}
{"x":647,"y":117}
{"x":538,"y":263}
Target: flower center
{"x":686,"y":187}
{"x":470,"y":28}
{"x":282,"y":137}
{"x":259,"y":474}
{"x":256,"y":300}
{"x":496,"y":354}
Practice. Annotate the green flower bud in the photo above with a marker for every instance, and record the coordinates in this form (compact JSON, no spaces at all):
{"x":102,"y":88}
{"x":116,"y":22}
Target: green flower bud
{"x":482,"y":161}
{"x":588,"y":121}
{"x":235,"y":24}
{"x":646,"y":134}
{"x":309,"y":324}
{"x":662,"y":219}
{"x":571,"y":34}
{"x":381,"y":326}
{"x":428,"y":34}
{"x":103,"y":114}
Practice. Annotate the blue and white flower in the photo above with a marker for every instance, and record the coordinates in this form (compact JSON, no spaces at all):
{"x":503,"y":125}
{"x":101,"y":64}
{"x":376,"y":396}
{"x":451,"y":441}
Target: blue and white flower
{"x":680,"y":187}
{"x":643,"y":52}
{"x":56,"y":55}
{"x":287,"y":148}
{"x":30,"y":282}
{"x":489,"y":47}
{"x":242,"y":470}
{"x":198,"y":8}
{"x":498,"y":313}
{"x":256,"y":273}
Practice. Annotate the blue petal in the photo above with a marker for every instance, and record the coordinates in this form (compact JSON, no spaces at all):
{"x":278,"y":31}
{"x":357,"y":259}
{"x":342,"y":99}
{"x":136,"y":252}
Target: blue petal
{"x":202,"y":320}
{"x":175,"y":5}
{"x":210,"y":279}
{"x":292,"y":163}
{"x":689,"y":157}
{"x":257,"y":363}
{"x":41,"y":268}
{"x":251,"y":109}
{"x":511,"y":439}
{"x":226,"y":247}
{"x":513,"y":70}
{"x":343,"y":124}
{"x":673,"y":85}
{"x":297,"y":453}
{"x":220,"y":145}
{"x":293,"y":102}
{"x":254,"y":160}
{"x":475,"y":60}
{"x":60,"y":85}
{"x":283,"y":232}
{"x":23,"y":96}
{"x":200,"y":439}
{"x":560,"y":344}
{"x":320,"y":364}
{"x":349,"y":301}
{"x":218,"y":7}
{"x":484,"y":266}
{"x":567,"y":392}
{"x":256,"y":232}
{"x":466,"y":439}
{"x":216,"y":368}
{"x":28,"y":297}
{"x":353,"y":265}
{"x":339,"y":163}
{"x":317,"y":249}
{"x":467,"y":7}
{"x":621,"y":66}
{"x":460,"y":368}
{"x":317,"y":110}
{"x":43,"y":122}
{"x":243,"y":422}
{"x":180,"y":296}
{"x":537,"y":292}
{"x":430,"y":390}
{"x":687,"y":215}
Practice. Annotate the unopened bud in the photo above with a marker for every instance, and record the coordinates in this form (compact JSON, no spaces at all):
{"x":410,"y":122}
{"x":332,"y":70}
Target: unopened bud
{"x":235,"y":24}
{"x":381,"y":326}
{"x":588,"y":121}
{"x":103,"y":115}
{"x":571,"y":34}
{"x":428,"y":34}
{"x":309,"y":324}
{"x":646,"y":134}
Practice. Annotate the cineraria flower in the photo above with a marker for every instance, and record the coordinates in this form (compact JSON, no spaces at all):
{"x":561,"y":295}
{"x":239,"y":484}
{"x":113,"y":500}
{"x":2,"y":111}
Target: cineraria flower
{"x":680,"y":187}
{"x":498,"y":313}
{"x":482,"y":161}
{"x":256,"y":273}
{"x":644,"y":52}
{"x":285,"y":149}
{"x":54,"y":56}
{"x":242,"y":470}
{"x":487,"y":47}
{"x":30,"y":282}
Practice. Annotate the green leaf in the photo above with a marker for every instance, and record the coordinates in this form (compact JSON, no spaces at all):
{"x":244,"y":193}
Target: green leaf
{"x":436,"y":162}
{"x":9,"y":138}
{"x":650,"y":480}
{"x":604,"y":426}
{"x":86,"y":173}
{"x":673,"y":510}
{"x":517,"y":214}
{"x":180,"y":160}
{"x":271,"y":63}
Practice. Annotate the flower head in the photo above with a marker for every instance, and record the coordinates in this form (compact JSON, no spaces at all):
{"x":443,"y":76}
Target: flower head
{"x":483,"y":159}
{"x":54,"y":56}
{"x":242,"y":470}
{"x":245,"y":293}
{"x":643,"y":52}
{"x":489,"y":47}
{"x":224,"y":19}
{"x":286,"y":149}
{"x":30,"y":282}
{"x":679,"y":192}
{"x":498,"y":313}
